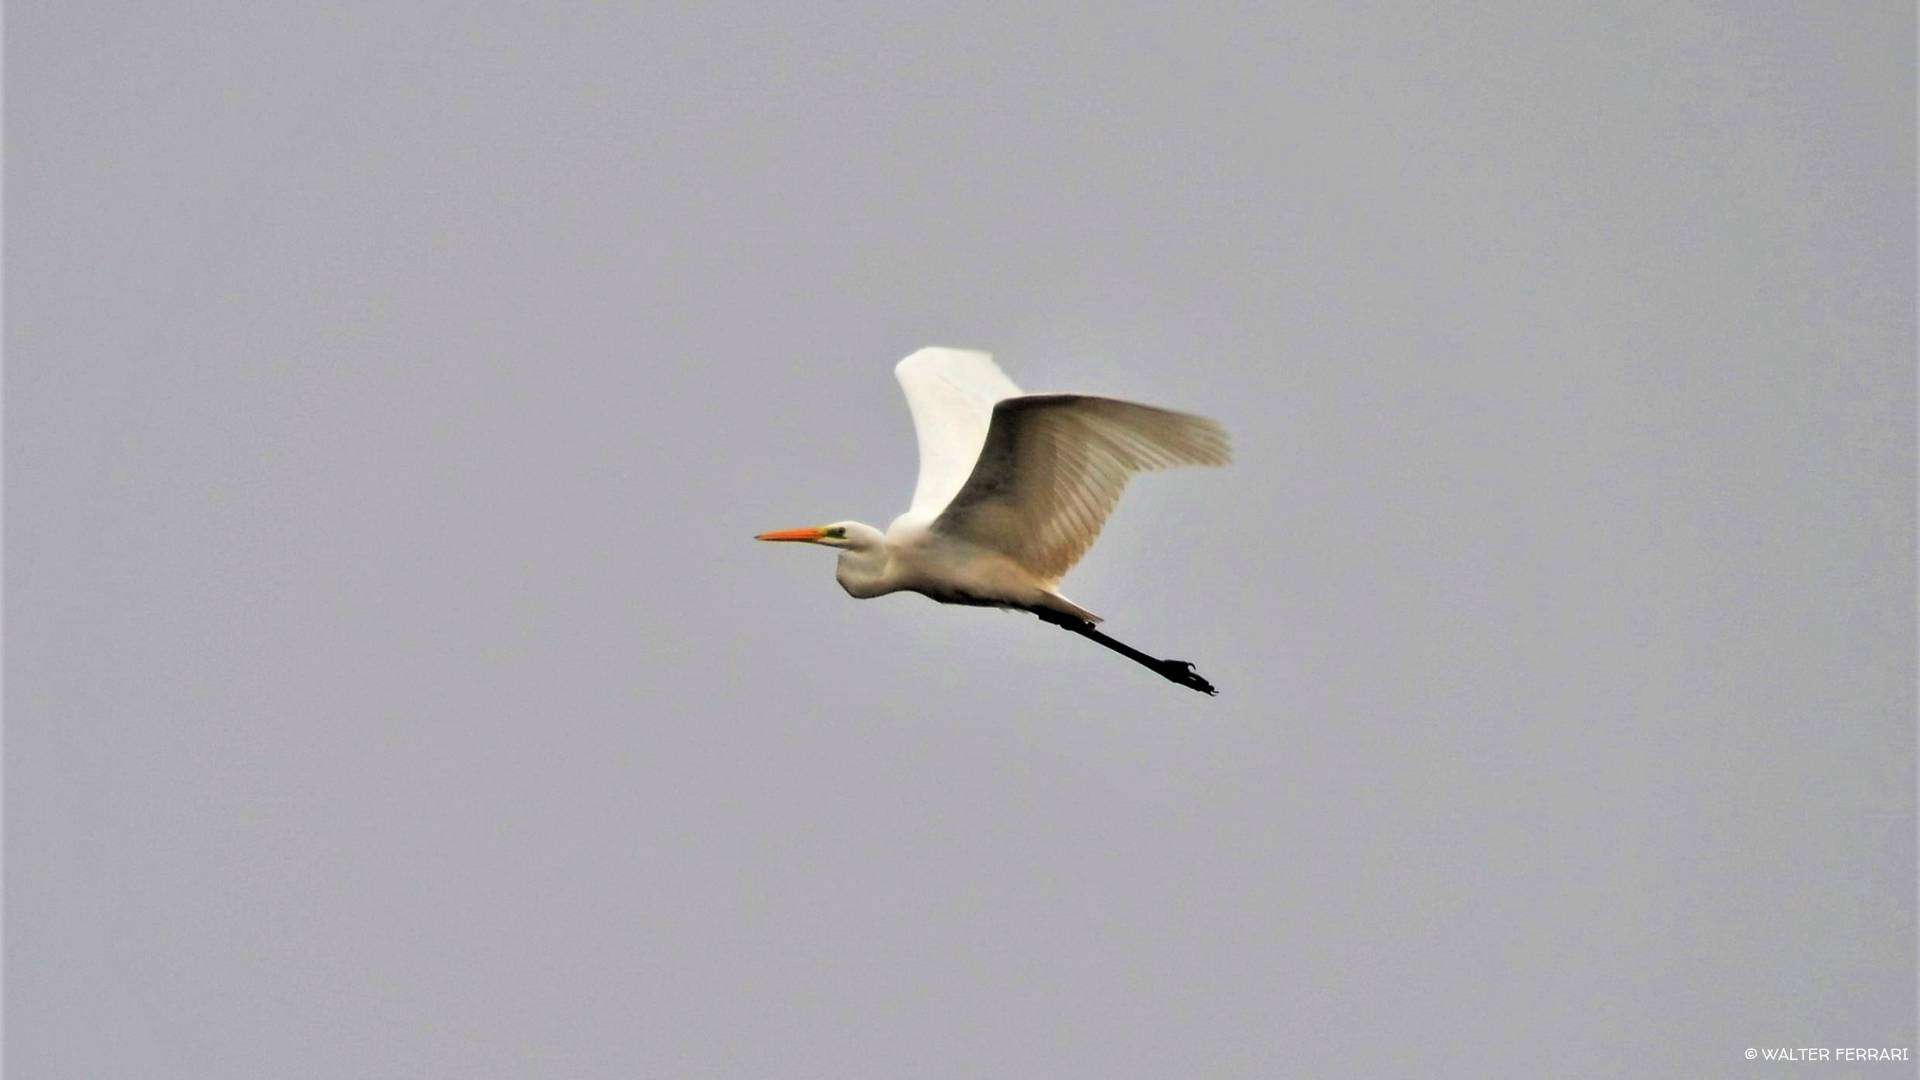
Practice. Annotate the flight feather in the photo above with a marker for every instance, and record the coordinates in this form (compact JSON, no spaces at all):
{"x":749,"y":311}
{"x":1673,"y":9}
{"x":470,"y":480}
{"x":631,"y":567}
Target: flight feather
{"x":951,"y":393}
{"x":1052,"y":466}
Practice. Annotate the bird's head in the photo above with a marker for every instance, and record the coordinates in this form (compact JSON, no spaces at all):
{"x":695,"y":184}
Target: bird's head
{"x":846,"y":535}
{"x":863,"y":563}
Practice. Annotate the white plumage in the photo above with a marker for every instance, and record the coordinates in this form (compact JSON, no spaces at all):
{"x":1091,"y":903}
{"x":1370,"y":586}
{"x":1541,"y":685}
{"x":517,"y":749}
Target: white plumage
{"x":1032,"y":476}
{"x":1013,"y":489}
{"x":951,"y":393}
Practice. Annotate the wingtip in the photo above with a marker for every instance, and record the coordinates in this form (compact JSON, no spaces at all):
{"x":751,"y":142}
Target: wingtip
{"x":1220,"y":450}
{"x":928,"y":354}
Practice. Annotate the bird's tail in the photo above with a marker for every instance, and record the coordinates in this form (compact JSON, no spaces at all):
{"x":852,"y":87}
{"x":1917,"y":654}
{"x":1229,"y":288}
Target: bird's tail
{"x":1055,"y":602}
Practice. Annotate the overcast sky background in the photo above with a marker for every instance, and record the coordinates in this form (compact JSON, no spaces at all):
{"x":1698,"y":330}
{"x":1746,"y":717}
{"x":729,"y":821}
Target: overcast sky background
{"x":394,"y":690}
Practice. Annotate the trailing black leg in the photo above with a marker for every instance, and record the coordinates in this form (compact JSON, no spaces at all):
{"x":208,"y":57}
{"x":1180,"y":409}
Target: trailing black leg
{"x":1172,"y":670}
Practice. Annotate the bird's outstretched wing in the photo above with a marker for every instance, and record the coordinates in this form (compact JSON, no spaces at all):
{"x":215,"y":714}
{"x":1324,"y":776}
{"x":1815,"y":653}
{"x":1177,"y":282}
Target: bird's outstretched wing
{"x":1052,"y":469}
{"x":951,"y":393}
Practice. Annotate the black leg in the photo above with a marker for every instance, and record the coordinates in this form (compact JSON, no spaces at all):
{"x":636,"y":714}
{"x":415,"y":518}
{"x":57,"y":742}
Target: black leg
{"x":1173,"y":670}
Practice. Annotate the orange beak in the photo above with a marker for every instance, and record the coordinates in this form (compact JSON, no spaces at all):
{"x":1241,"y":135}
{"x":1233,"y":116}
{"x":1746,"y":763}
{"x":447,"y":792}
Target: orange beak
{"x":802,"y":535}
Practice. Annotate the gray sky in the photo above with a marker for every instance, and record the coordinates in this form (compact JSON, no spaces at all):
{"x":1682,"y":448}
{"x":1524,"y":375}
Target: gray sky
{"x":393,"y":689}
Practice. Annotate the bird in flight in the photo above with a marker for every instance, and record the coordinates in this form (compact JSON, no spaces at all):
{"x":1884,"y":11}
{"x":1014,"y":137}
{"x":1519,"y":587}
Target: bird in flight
{"x":1013,"y":489}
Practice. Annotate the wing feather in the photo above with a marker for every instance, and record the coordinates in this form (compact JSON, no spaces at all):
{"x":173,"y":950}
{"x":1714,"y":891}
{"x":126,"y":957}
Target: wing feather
{"x":1052,"y":466}
{"x":951,"y":393}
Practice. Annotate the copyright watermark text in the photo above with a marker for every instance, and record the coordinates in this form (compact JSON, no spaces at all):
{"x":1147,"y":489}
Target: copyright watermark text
{"x":1829,"y":1053}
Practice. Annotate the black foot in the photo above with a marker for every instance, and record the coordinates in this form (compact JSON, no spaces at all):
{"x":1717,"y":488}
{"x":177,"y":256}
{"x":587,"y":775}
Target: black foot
{"x":1182,"y":672}
{"x":1173,"y":670}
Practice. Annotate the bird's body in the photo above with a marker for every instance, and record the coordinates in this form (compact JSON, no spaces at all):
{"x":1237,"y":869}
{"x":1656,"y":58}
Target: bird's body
{"x":1012,"y":490}
{"x":914,"y":557}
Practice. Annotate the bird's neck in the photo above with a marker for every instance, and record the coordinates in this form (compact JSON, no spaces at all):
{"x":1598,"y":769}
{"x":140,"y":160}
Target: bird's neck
{"x":866,"y":572}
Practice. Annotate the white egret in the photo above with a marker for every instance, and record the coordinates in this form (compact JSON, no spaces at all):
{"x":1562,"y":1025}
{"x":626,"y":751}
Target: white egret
{"x":1013,"y":489}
